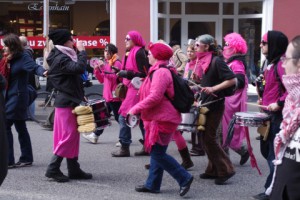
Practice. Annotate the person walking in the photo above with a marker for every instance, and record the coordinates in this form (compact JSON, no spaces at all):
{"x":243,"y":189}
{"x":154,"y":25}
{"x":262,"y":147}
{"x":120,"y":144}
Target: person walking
{"x":105,"y":72}
{"x":65,"y":69}
{"x":273,"y":46}
{"x":161,"y":120}
{"x":285,"y":184}
{"x":216,"y":77}
{"x":179,"y":59}
{"x":17,"y":98}
{"x":234,"y":53}
{"x":135,"y":64}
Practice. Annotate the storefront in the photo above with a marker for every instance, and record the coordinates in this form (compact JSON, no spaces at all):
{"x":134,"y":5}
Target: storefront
{"x":88,"y":21}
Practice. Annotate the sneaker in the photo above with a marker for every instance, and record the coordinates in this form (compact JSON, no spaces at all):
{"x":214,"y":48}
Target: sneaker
{"x":23,"y":164}
{"x":261,"y":196}
{"x":118,"y":144}
{"x":92,"y":137}
{"x":11,"y":166}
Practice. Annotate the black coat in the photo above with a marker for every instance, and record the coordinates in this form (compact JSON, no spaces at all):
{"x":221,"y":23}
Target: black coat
{"x":3,"y":136}
{"x":17,"y":98}
{"x":65,"y":76}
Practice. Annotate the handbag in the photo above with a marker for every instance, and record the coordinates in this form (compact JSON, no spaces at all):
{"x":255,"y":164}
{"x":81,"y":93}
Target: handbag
{"x":121,"y":91}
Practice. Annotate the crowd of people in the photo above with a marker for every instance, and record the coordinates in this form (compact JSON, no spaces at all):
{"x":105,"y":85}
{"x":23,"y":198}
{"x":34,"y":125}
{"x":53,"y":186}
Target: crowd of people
{"x":218,"y":79}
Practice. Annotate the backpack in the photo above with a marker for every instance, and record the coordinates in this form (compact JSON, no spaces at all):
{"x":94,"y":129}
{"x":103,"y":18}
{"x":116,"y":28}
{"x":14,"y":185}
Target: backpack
{"x":227,"y":91}
{"x":183,"y":95}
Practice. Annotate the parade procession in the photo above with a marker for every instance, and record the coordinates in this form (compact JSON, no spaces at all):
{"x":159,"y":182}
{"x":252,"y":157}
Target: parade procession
{"x":100,"y":98}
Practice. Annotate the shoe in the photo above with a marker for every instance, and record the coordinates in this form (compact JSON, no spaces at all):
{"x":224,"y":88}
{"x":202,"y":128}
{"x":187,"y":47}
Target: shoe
{"x":74,"y":170}
{"x":184,"y":189}
{"x":23,"y":164}
{"x":147,"y":166}
{"x":142,"y":188}
{"x":244,"y":158}
{"x":142,"y":152}
{"x":196,"y":152}
{"x":207,"y":176}
{"x":118,"y":144}
{"x":92,"y":137}
{"x":261,"y":196}
{"x":222,"y":180}
{"x":11,"y":166}
{"x":122,"y":152}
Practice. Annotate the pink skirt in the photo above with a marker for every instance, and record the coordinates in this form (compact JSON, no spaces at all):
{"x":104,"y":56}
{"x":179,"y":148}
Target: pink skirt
{"x":65,"y":134}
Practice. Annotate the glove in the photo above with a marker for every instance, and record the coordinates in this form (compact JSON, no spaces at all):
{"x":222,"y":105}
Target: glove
{"x":122,"y":73}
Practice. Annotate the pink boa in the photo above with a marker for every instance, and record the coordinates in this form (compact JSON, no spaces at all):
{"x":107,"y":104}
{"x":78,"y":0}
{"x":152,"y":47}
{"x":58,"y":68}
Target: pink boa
{"x":204,"y":59}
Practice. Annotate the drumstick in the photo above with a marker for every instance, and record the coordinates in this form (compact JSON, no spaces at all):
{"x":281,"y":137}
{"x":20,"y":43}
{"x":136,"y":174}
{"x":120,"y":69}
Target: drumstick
{"x":210,"y":102}
{"x":254,"y":104}
{"x":200,"y":87}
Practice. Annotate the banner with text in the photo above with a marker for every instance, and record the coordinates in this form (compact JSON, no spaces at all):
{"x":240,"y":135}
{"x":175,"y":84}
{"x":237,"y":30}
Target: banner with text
{"x":90,"y":42}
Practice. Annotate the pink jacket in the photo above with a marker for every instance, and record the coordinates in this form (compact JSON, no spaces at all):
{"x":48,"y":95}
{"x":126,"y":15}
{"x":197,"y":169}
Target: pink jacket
{"x":109,"y":81}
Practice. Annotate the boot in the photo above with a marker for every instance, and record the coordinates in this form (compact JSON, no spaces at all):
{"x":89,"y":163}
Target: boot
{"x":74,"y":170}
{"x":197,"y":147}
{"x":53,"y":170}
{"x":243,"y":152}
{"x":186,"y":158}
{"x":142,"y":152}
{"x":123,"y":152}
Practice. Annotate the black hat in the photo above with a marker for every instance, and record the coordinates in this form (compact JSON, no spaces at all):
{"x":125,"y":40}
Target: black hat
{"x":60,"y":36}
{"x":173,"y":43}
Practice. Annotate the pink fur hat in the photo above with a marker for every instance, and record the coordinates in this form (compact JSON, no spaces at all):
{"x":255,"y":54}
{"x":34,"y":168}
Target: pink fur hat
{"x":236,"y":41}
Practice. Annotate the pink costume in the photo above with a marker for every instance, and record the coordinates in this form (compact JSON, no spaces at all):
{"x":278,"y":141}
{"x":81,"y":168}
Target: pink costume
{"x":233,"y":104}
{"x":159,"y":115}
{"x":66,"y":137}
{"x":109,"y":81}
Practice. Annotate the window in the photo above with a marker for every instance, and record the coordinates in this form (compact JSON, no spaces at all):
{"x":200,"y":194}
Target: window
{"x":202,"y":8}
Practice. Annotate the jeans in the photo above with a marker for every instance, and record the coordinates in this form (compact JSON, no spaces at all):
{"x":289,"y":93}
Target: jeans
{"x":125,"y":131}
{"x":267,"y":147}
{"x":114,"y":107}
{"x":24,"y":140}
{"x":160,"y":161}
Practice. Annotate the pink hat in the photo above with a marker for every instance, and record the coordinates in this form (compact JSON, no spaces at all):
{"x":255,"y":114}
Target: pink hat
{"x":237,"y":42}
{"x":136,"y":38}
{"x":161,"y":51}
{"x":265,"y":37}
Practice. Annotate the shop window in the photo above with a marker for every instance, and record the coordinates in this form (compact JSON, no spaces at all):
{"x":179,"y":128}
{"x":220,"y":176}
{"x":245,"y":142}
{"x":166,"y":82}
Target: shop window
{"x":103,"y":28}
{"x":175,"y":28}
{"x":162,"y":7}
{"x":175,"y":7}
{"x":161,"y":28}
{"x":250,"y":8}
{"x":250,"y":29}
{"x":196,"y":29}
{"x":228,"y":8}
{"x":201,"y":8}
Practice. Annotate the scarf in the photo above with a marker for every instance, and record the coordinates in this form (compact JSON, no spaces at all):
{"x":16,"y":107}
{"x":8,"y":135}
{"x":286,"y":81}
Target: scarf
{"x":290,"y":122}
{"x":204,"y":60}
{"x":68,"y":51}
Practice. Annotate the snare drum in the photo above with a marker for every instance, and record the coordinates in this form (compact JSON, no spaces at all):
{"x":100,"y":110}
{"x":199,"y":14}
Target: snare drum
{"x":189,"y":120}
{"x":101,"y":114}
{"x":254,"y":119}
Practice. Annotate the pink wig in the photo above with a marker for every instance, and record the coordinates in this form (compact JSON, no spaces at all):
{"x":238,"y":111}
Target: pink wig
{"x":237,"y":42}
{"x":136,"y":38}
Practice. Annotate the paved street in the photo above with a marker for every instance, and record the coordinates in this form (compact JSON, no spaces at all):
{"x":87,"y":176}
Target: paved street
{"x":115,"y":178}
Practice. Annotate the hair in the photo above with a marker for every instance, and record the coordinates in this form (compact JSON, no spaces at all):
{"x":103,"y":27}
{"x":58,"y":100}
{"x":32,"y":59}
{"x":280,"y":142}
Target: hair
{"x":12,"y":41}
{"x":236,"y":41}
{"x":111,"y":49}
{"x":191,"y":46}
{"x":24,"y":41}
{"x":296,"y":44}
{"x":210,"y":41}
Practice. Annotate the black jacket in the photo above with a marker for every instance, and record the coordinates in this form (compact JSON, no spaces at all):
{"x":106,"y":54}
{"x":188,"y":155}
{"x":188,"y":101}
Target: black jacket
{"x":65,"y":75}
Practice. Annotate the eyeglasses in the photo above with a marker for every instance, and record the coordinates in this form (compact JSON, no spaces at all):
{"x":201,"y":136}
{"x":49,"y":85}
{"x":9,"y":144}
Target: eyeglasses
{"x":127,"y":39}
{"x":264,"y":43}
{"x":284,"y":58}
{"x":199,"y":44}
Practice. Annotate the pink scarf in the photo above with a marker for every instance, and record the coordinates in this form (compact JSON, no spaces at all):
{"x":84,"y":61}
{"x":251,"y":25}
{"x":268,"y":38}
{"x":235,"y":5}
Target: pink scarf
{"x":68,"y":51}
{"x":290,"y":122}
{"x":204,"y":60}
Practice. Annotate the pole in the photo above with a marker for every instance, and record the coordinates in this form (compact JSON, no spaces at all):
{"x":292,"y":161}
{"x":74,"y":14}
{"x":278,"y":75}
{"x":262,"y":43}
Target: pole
{"x":46,"y":18}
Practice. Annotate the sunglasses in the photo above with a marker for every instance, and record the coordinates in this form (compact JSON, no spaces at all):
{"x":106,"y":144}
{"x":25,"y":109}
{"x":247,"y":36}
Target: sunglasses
{"x":127,"y":39}
{"x":264,"y":43}
{"x":198,"y":44}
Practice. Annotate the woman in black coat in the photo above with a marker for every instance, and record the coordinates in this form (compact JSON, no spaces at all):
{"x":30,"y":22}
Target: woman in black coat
{"x":17,"y":98}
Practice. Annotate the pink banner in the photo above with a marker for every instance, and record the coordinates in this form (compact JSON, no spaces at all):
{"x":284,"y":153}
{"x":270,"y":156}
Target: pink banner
{"x":90,"y":42}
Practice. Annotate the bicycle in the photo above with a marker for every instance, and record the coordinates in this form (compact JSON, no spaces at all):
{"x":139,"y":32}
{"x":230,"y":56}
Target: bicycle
{"x":44,"y":107}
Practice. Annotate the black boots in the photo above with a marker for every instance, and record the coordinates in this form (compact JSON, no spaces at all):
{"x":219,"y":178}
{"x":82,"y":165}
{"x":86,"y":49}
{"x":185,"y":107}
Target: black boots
{"x":74,"y":170}
{"x":53,"y":170}
{"x":197,"y":147}
{"x":122,"y":152}
{"x":243,"y":152}
{"x":186,"y":158}
{"x":142,"y":152}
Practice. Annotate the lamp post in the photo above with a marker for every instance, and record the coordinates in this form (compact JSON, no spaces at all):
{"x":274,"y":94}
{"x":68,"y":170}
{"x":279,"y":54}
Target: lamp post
{"x":46,"y":18}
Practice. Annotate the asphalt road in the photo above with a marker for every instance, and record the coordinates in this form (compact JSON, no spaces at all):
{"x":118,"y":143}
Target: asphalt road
{"x":115,"y":178}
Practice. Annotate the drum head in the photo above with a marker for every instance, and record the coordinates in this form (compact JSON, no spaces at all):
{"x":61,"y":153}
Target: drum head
{"x":132,"y":120}
{"x":252,"y":115}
